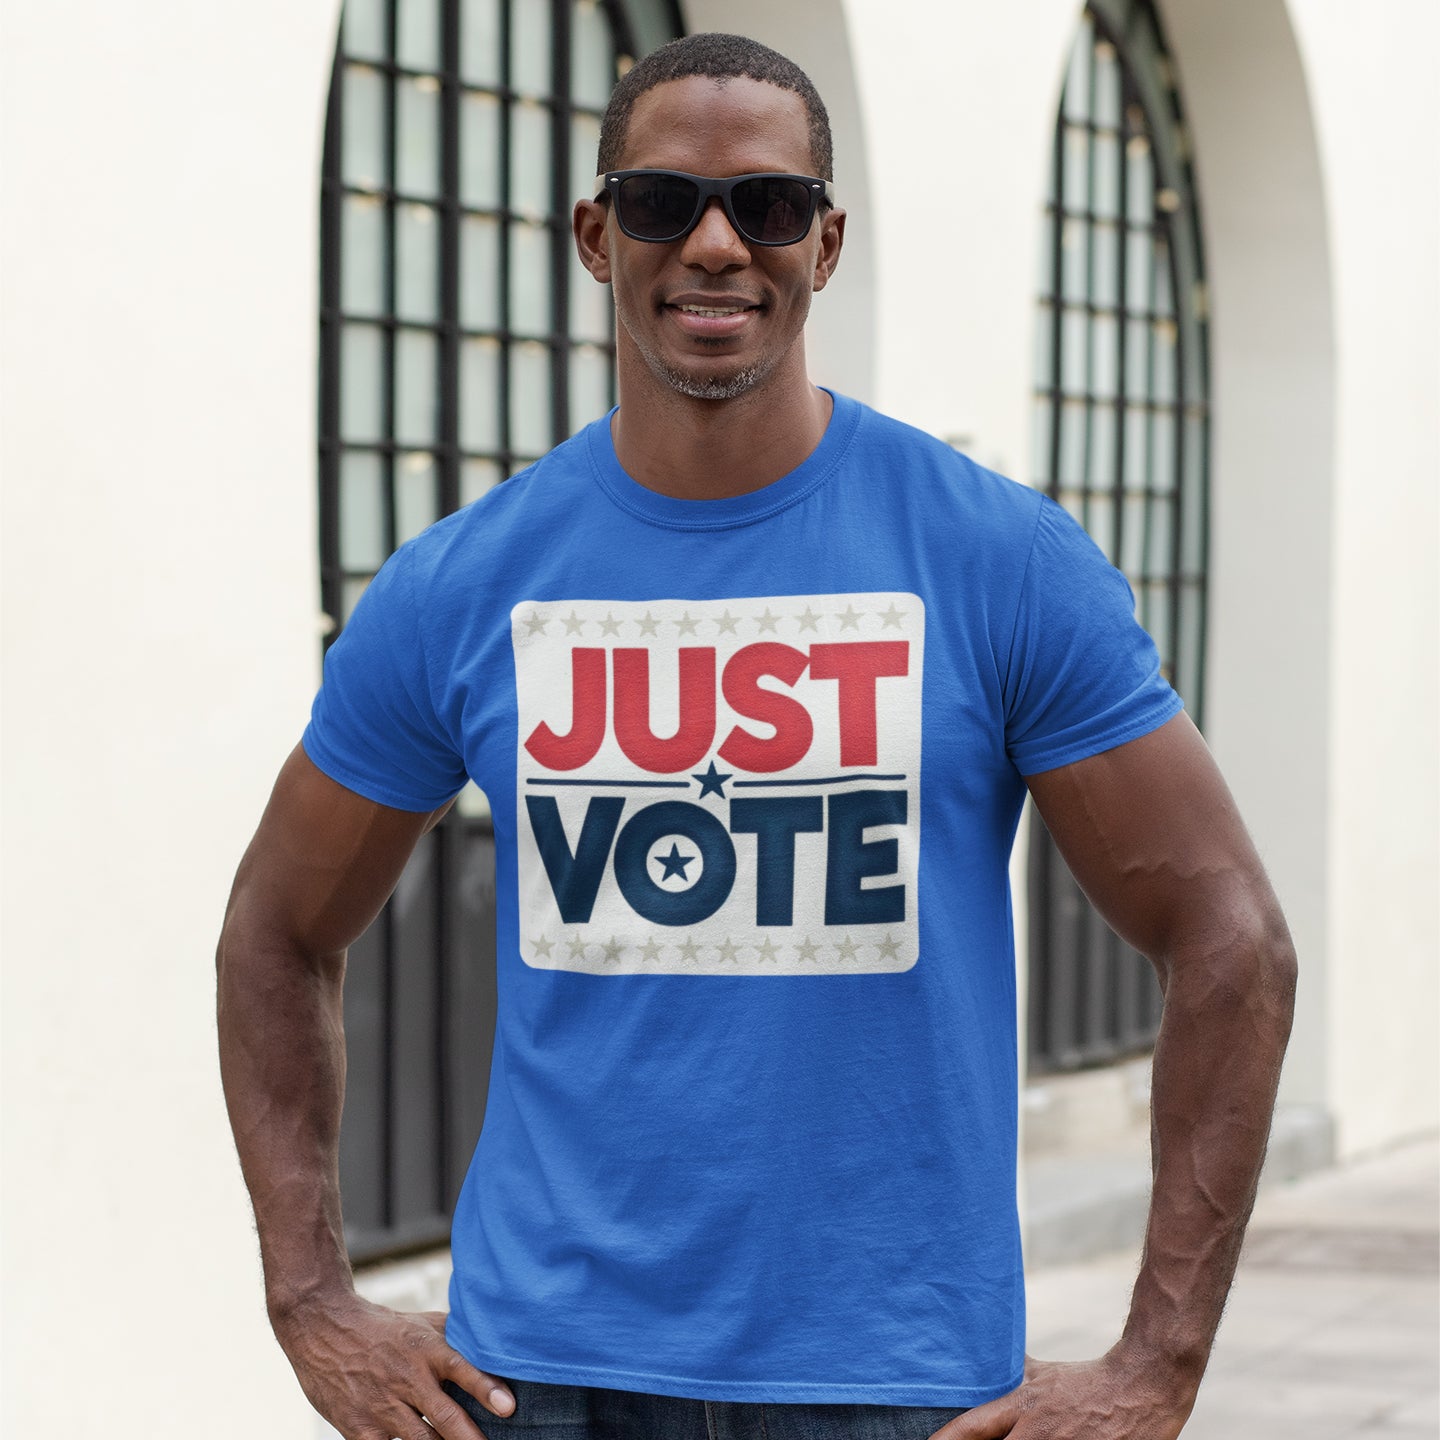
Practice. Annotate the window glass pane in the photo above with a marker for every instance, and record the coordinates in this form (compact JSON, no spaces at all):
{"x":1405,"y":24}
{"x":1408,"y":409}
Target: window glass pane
{"x":480,"y":42}
{"x":584,"y":145}
{"x":1077,"y":164}
{"x":590,"y":304}
{"x":530,"y":159}
{"x":1105,"y":109}
{"x":1077,"y":80}
{"x":417,"y":38}
{"x":1106,"y":198}
{"x":1105,"y":265}
{"x":1163,"y":387}
{"x":362,"y":255}
{"x":531,"y":426}
{"x":1075,"y":260}
{"x":417,"y":266}
{"x":1139,"y":181}
{"x":592,"y":56}
{"x":416,"y":497}
{"x":479,"y":273}
{"x":1072,"y":351}
{"x":1132,"y":545}
{"x":477,"y":478}
{"x":1072,"y":443}
{"x":416,"y":388}
{"x":1192,"y":642}
{"x":530,"y":280}
{"x":1137,"y":449}
{"x":1045,"y":256}
{"x":1193,"y":518}
{"x":1045,"y":348}
{"x":1157,"y":622}
{"x":362,"y":377}
{"x":1040,"y":441}
{"x":417,"y":152}
{"x":479,"y":395}
{"x":1138,"y":359}
{"x":362,"y":512}
{"x":590,"y":385}
{"x":1139,"y":270}
{"x":1102,"y":446}
{"x":1100,"y":521}
{"x":1105,"y":355}
{"x":363,"y":29}
{"x":1164,"y":300}
{"x":480,"y":151}
{"x":363,"y":149}
{"x":530,"y":46}
{"x":1162,"y":452}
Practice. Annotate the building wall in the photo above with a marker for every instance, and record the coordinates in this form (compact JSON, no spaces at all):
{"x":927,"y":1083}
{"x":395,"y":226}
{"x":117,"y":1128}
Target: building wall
{"x":158,"y":451}
{"x":160,"y":622}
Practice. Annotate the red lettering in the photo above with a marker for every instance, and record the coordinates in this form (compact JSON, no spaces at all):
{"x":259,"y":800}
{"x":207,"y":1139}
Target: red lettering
{"x":793,"y":728}
{"x":587,"y":722}
{"x":691,"y":741}
{"x":857,"y":665}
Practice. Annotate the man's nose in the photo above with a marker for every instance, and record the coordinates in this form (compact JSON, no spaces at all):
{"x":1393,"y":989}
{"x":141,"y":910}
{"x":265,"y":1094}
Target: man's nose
{"x":713,"y":243}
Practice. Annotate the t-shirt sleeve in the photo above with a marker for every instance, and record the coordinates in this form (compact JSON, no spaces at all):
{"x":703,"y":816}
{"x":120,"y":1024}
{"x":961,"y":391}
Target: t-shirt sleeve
{"x":374,"y":726}
{"x":1083,"y":675}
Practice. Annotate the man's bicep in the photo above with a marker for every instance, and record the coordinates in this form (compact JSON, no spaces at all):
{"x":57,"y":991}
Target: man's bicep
{"x":323,"y":861}
{"x":1152,"y":834}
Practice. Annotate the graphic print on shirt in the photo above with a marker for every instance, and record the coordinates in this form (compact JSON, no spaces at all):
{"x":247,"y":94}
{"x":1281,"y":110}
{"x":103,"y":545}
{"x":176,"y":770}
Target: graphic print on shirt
{"x":719,"y":787}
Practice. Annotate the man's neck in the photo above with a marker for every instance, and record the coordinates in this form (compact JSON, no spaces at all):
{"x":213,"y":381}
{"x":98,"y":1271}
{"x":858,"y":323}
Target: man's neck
{"x":712,"y":449}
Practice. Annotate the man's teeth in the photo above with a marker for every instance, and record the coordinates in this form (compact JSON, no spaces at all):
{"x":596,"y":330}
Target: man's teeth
{"x":703,"y":310}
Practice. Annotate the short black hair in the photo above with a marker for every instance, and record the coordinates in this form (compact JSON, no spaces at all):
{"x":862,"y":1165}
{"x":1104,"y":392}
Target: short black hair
{"x":722,"y":58}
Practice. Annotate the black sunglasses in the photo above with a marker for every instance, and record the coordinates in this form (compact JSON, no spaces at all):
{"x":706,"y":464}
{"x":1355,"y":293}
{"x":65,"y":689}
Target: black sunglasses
{"x":665,"y":205}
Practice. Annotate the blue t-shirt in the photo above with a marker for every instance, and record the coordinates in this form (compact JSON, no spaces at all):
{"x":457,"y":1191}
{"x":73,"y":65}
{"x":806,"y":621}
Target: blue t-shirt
{"x":755,"y":766}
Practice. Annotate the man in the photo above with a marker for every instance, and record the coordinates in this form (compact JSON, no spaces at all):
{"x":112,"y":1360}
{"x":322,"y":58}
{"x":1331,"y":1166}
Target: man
{"x":751,"y":676}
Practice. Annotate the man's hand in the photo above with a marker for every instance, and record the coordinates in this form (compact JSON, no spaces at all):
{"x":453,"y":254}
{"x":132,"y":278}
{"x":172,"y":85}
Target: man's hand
{"x":376,"y":1374}
{"x":1112,"y":1398}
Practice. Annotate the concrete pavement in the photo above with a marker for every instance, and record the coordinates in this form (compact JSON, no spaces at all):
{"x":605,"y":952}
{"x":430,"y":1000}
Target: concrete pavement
{"x":1333,"y":1327}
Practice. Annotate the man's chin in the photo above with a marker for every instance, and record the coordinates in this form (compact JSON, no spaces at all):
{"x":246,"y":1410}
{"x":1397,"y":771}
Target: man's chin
{"x":726,"y":385}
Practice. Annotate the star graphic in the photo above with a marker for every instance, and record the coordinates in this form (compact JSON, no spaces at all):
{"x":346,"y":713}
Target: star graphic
{"x":689,"y":951}
{"x":610,"y":625}
{"x":578,"y":947}
{"x":534,"y":623}
{"x":543,"y":946}
{"x":767,"y":621}
{"x":610,"y":950}
{"x":728,"y":950}
{"x":712,"y":782}
{"x":686,"y":625}
{"x":809,"y":620}
{"x":808,"y":949}
{"x":849,"y":620}
{"x":650,"y":950}
{"x":674,"y":862}
{"x":892,"y":616}
{"x":727,"y":623}
{"x":573,"y":624}
{"x":768,"y":949}
{"x":648,"y":624}
{"x":847,"y":948}
{"x":889,"y":947}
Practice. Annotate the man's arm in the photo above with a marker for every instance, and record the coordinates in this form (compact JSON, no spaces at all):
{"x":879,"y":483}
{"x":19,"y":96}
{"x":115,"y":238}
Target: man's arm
{"x":1152,"y":835}
{"x":321,"y":865}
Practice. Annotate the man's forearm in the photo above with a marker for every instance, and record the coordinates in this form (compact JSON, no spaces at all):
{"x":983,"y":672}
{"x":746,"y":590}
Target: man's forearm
{"x":1217,"y":1061}
{"x":282,"y":1062}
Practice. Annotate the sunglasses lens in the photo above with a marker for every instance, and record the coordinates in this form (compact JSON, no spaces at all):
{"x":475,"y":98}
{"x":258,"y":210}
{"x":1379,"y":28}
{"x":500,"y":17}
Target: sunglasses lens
{"x":656,"y":206}
{"x":772,"y":210}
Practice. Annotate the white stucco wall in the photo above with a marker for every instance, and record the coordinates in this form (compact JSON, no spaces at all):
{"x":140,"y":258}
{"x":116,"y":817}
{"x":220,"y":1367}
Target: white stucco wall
{"x":1371,"y":76}
{"x":158,"y":355}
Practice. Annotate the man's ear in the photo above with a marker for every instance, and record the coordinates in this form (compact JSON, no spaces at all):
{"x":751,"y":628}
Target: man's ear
{"x":832,"y":240}
{"x":592,"y":238}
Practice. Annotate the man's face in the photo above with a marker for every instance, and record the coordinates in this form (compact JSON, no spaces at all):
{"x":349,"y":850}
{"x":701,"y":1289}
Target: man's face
{"x":667,"y":295}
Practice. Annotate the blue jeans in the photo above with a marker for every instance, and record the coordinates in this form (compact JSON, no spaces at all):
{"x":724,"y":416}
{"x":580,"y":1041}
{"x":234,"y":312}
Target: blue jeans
{"x":580,"y":1412}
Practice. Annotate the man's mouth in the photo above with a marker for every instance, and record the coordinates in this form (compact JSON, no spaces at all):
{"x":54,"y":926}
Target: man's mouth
{"x":714,"y":310}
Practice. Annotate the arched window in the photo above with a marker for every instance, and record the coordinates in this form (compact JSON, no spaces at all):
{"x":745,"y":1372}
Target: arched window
{"x":1122,"y":414}
{"x":460,"y":340}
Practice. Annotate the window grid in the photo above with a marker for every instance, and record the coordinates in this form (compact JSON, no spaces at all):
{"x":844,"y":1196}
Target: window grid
{"x":1122,"y":434}
{"x":459,"y":341}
